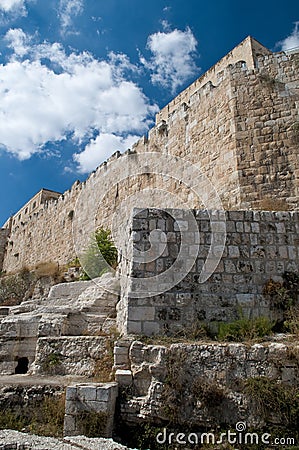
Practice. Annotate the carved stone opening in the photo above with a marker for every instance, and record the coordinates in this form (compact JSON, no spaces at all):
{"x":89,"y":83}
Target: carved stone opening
{"x":22,"y":366}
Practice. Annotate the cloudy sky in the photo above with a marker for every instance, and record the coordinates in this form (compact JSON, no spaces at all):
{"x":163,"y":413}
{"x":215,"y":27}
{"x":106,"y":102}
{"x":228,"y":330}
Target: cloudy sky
{"x":80,"y":79}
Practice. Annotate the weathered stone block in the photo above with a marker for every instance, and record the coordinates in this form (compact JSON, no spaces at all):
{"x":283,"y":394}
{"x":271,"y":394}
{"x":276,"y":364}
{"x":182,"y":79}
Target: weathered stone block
{"x":141,"y":313}
{"x":151,"y":328}
{"x":123,"y":377}
{"x":69,"y":426}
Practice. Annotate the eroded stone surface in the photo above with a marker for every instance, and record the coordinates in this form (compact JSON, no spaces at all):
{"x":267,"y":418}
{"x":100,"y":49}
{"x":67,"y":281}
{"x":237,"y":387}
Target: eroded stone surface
{"x":169,"y":380}
{"x":40,"y":329}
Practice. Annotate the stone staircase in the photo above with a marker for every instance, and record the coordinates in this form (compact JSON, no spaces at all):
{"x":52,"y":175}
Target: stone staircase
{"x":81,"y":308}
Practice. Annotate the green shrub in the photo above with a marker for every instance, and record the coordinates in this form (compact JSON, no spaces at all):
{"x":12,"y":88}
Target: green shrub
{"x":245,"y":329}
{"x":99,"y":256}
{"x":52,"y":363}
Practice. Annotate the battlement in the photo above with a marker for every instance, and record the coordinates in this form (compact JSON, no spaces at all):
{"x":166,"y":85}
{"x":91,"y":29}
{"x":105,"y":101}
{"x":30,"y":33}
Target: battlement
{"x":31,"y":207}
{"x":246,"y":52}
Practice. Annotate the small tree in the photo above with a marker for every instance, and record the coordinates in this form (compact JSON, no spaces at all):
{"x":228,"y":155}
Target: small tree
{"x":100,"y":255}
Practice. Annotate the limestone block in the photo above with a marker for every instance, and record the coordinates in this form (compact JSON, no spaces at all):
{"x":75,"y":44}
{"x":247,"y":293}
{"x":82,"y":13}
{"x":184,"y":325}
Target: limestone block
{"x":71,"y":393}
{"x":151,"y":328}
{"x":69,"y":426}
{"x":141,"y":313}
{"x":91,"y":398}
{"x":123,"y":377}
{"x":121,"y":355}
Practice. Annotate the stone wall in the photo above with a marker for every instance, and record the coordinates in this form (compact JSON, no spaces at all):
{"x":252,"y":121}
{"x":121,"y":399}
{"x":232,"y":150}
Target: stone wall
{"x":4,"y":233}
{"x":238,"y":124}
{"x":202,"y":385}
{"x":191,"y":278}
{"x":247,"y":52}
{"x":70,"y":355}
{"x":86,"y":401}
{"x":44,"y":236}
{"x":267,"y":133}
{"x":68,"y":332}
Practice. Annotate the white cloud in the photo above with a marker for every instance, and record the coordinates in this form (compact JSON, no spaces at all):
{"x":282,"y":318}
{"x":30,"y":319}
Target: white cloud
{"x":101,"y":148}
{"x":18,"y":41}
{"x":292,"y":40}
{"x":172,"y":62}
{"x":10,"y":9}
{"x":9,"y":5}
{"x":67,"y":10}
{"x":74,"y":96}
{"x":166,"y":25}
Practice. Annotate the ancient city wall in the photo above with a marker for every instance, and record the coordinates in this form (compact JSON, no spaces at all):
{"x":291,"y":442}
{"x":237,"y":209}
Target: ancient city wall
{"x":267,"y":132}
{"x":240,"y":132}
{"x":31,"y":207}
{"x":259,"y":246}
{"x":45,"y":236}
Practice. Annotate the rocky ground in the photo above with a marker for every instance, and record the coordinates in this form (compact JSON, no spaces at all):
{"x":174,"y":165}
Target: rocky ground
{"x":14,"y":440}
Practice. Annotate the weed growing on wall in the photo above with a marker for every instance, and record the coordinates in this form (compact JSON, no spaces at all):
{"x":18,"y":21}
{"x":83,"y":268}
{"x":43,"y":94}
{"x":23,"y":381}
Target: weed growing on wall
{"x":92,"y":423}
{"x":19,"y":287}
{"x":48,"y":419}
{"x":100,"y":252}
{"x":52,"y":364}
{"x":283,"y":295}
{"x":292,"y":320}
{"x":273,"y":397}
{"x":40,"y":417}
{"x":103,"y":370}
{"x":183,"y":392}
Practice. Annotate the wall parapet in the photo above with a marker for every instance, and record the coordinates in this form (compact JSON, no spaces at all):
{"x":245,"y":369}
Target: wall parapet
{"x":245,"y":54}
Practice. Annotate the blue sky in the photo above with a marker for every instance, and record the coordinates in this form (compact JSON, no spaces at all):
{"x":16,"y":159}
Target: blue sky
{"x":80,"y":79}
